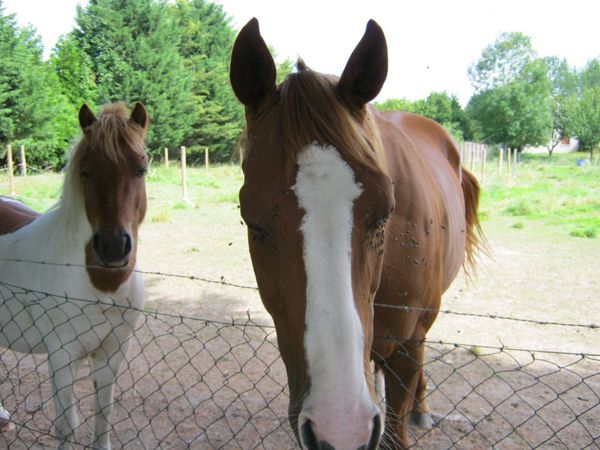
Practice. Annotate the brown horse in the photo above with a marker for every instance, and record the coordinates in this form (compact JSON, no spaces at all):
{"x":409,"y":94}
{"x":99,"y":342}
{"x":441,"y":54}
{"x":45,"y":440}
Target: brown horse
{"x":348,"y":209}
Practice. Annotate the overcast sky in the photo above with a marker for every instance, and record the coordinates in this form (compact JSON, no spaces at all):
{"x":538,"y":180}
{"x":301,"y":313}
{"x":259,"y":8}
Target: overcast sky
{"x":431,"y":42}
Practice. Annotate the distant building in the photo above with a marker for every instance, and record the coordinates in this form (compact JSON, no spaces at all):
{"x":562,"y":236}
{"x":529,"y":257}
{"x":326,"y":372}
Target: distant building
{"x":566,"y":145}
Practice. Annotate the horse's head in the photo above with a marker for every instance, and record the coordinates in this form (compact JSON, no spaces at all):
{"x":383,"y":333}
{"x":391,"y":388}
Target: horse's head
{"x":110,"y":162}
{"x":316,"y":198}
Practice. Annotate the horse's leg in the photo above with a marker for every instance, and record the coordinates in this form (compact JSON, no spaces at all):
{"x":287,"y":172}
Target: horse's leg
{"x":105,"y":367}
{"x":420,"y":414}
{"x":402,"y":374}
{"x":63,"y":370}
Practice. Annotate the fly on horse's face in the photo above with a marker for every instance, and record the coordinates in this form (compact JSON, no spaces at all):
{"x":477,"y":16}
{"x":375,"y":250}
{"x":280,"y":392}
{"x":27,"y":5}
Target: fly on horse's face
{"x":316,"y":200}
{"x":112,"y":163}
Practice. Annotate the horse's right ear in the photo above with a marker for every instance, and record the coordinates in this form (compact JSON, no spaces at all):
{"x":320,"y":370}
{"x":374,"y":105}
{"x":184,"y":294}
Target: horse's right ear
{"x":86,"y":117}
{"x":252,"y":71}
{"x":366,"y":70}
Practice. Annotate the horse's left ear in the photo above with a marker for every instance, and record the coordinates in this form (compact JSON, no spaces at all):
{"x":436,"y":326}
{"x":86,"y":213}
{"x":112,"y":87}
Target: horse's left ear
{"x":366,"y":70}
{"x":139,"y":115}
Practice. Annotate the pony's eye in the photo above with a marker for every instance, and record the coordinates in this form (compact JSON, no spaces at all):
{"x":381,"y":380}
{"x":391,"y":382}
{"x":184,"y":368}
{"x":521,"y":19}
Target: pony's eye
{"x":141,"y":172}
{"x":84,"y":174}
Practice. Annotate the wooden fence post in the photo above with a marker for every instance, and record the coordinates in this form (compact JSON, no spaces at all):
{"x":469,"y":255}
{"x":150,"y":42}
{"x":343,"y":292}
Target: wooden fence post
{"x":9,"y":161}
{"x":23,"y":162}
{"x":516,"y":153}
{"x":184,"y":174}
{"x":471,"y":157}
{"x":166,"y":157}
{"x":508,"y":160}
{"x":483,"y":150}
{"x":206,"y":158}
{"x":500,"y":158}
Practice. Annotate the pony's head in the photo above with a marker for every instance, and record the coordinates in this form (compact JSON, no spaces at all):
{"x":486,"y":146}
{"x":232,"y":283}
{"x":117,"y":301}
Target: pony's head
{"x":316,"y":198}
{"x":108,"y":167}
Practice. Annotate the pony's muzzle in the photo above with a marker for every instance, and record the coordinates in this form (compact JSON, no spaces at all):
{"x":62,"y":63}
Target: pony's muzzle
{"x":311,"y":441}
{"x":113,"y":250}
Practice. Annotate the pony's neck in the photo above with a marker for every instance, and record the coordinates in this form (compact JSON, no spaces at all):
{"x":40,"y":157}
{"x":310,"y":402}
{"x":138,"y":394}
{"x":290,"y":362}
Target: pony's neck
{"x":69,"y":226}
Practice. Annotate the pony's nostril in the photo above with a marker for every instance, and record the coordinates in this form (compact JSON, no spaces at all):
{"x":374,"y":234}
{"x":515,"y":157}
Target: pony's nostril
{"x":97,"y":243}
{"x":127,"y":244}
{"x":112,"y":249}
{"x":376,"y":433}
{"x":309,"y":438}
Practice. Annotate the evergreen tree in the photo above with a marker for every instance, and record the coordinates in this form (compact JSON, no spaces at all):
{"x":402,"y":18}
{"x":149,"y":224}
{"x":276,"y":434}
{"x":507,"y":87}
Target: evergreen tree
{"x":133,"y":46}
{"x":32,"y":110}
{"x":206,"y":41}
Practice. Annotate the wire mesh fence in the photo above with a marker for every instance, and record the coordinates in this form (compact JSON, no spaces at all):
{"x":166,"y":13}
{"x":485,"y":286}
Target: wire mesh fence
{"x":194,"y":383}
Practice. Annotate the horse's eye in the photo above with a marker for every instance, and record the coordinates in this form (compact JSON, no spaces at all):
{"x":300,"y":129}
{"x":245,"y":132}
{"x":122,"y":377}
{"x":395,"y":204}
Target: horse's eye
{"x":84,"y":174}
{"x":141,"y":171}
{"x":258,"y":233}
{"x":379,"y":223}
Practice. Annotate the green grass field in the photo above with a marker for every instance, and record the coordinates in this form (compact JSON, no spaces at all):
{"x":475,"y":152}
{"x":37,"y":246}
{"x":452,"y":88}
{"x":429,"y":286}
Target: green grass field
{"x":552,"y":192}
{"x":546,"y":191}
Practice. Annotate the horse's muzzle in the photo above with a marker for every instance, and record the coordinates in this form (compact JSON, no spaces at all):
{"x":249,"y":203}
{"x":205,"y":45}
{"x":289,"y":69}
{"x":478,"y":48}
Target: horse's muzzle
{"x":113,"y":250}
{"x":311,"y":442}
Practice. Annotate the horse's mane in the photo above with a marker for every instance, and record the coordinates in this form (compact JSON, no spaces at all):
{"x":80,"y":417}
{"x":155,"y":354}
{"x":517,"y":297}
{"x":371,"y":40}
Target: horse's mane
{"x":311,"y":110}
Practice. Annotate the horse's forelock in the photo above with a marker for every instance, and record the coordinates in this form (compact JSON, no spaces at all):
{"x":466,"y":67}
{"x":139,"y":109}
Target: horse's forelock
{"x":311,"y":110}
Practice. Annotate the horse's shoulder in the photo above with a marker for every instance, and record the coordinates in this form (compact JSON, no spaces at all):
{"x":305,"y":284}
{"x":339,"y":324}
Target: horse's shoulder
{"x":14,"y":215}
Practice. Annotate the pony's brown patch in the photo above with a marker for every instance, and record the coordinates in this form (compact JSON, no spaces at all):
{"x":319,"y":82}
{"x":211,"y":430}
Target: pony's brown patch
{"x":108,"y":166}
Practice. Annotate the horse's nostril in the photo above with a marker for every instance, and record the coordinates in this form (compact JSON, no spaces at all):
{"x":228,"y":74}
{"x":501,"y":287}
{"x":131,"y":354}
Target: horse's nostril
{"x":376,"y":433}
{"x":97,"y":243}
{"x":309,"y":438}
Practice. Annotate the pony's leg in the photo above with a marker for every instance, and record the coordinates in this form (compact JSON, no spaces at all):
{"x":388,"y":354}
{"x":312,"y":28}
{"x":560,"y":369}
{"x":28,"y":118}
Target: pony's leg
{"x":63,"y":371}
{"x":402,"y":373}
{"x":105,"y":367}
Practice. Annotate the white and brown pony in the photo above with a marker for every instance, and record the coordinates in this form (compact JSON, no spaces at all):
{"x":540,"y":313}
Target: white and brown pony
{"x":348,"y":208}
{"x":84,"y":303}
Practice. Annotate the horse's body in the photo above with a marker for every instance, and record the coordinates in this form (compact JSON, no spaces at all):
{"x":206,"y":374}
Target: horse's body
{"x":84,"y":303}
{"x":358,"y":222}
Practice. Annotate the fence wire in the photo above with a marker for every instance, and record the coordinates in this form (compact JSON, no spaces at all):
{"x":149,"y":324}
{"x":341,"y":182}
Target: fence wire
{"x":205,"y":384}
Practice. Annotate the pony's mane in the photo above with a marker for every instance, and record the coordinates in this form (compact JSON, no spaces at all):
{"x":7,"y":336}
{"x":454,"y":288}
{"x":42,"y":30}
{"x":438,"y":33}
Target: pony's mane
{"x":111,"y":133}
{"x":310,"y":110}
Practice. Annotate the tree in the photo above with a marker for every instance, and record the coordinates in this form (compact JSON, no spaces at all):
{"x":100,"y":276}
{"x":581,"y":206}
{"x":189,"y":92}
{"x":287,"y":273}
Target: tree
{"x":206,"y":39}
{"x":133,"y":47}
{"x":73,"y":68}
{"x":512,"y":103}
{"x":586,"y":109}
{"x":563,"y":93}
{"x":32,"y":110}
{"x":501,"y":62}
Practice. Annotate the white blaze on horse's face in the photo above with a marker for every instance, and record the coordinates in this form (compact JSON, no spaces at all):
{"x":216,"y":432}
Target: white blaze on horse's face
{"x":339,"y":407}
